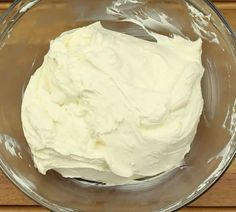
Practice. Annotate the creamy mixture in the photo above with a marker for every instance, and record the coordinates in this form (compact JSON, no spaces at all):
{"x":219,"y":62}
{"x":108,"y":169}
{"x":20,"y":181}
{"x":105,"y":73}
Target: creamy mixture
{"x":110,"y":107}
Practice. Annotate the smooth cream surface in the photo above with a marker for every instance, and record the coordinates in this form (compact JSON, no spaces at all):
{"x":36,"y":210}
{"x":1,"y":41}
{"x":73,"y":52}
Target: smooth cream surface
{"x":110,"y":107}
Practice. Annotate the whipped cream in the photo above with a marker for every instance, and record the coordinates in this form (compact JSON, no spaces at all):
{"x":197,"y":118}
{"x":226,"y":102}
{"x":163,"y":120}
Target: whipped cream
{"x":109,"y":107}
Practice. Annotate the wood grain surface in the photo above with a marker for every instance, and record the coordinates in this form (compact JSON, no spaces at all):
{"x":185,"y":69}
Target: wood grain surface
{"x":221,"y":197}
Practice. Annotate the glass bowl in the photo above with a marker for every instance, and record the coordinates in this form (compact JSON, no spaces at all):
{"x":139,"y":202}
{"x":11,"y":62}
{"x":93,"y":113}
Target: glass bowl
{"x":25,"y":32}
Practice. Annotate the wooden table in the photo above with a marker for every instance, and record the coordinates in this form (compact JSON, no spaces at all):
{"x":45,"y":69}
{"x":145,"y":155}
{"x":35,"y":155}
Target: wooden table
{"x":221,"y":197}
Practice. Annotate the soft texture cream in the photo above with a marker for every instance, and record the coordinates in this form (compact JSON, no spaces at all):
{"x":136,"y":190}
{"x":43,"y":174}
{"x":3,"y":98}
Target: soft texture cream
{"x":110,"y":107}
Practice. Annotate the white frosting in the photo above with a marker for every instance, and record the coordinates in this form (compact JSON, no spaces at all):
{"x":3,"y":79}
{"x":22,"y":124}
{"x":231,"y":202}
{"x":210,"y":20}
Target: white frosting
{"x":110,"y":107}
{"x":200,"y":24}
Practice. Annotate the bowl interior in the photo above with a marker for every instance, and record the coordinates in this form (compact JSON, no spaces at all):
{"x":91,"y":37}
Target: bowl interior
{"x":25,"y":34}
